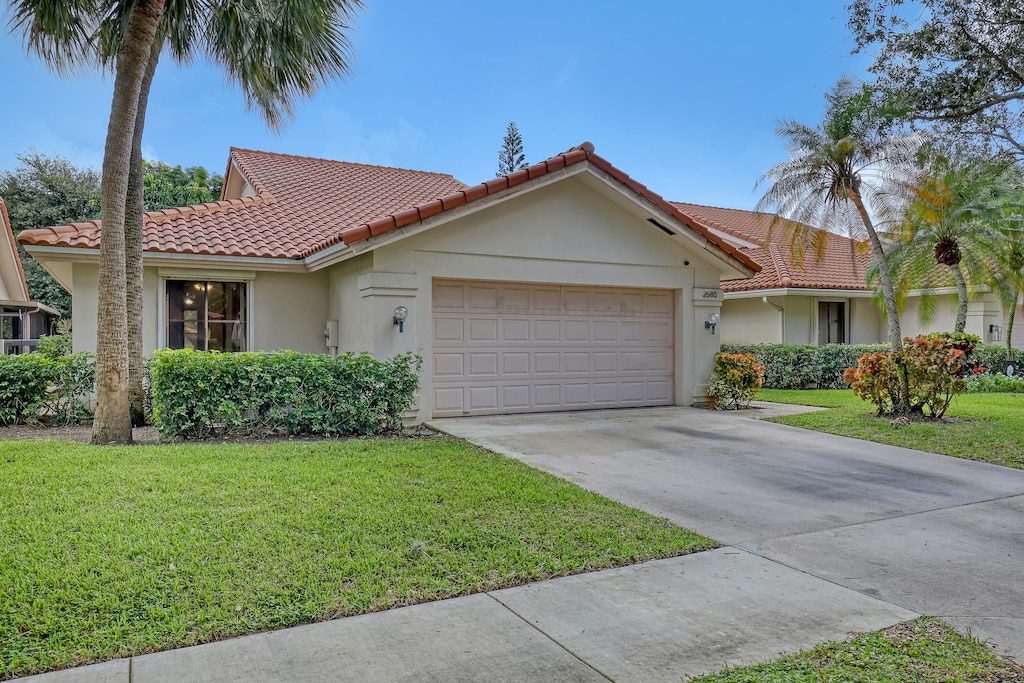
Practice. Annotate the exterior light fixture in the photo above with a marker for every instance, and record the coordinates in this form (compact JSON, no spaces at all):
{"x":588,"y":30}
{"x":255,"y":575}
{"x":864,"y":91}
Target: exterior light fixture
{"x":710,"y":323}
{"x":401,"y":313}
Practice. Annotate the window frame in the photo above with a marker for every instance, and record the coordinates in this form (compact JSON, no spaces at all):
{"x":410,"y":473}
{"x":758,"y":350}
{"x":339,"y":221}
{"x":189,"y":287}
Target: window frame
{"x":246,"y":278}
{"x":846,"y":312}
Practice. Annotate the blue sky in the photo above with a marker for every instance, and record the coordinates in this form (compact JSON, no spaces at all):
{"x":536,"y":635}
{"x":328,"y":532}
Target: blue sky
{"x":681,"y":95}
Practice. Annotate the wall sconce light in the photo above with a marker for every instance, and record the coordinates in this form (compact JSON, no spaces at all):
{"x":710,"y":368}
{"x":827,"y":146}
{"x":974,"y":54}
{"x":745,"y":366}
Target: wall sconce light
{"x":401,"y":313}
{"x":710,"y":323}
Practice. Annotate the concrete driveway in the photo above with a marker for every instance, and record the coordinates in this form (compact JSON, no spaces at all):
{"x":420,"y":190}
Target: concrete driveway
{"x":925,"y":532}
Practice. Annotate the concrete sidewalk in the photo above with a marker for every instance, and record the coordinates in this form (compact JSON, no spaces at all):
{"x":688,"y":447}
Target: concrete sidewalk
{"x":658,"y":621}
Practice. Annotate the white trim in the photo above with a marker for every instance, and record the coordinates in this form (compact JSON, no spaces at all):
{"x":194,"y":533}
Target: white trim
{"x":793,"y":291}
{"x":155,"y":259}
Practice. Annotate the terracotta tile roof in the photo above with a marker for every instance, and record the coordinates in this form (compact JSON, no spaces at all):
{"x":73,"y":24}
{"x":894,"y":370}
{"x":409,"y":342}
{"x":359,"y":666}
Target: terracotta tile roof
{"x":21,"y":286}
{"x":302,"y":205}
{"x":842,"y":266}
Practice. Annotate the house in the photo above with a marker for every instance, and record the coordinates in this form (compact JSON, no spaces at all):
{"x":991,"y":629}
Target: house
{"x":563,"y":286}
{"x":823,"y":299}
{"x":22,"y":321}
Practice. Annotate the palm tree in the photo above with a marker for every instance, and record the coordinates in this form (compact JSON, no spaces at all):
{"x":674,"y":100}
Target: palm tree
{"x":1008,"y":276}
{"x":278,"y":51}
{"x":835,"y":169}
{"x":954,"y":221}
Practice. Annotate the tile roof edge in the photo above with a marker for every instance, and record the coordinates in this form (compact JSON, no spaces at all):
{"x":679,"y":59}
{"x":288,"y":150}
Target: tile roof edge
{"x":52,"y":235}
{"x":6,"y":219}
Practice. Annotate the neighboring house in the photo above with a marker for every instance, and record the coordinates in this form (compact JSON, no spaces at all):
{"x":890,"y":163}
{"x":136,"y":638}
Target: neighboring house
{"x":822,"y":299}
{"x":22,"y":321}
{"x":563,"y":286}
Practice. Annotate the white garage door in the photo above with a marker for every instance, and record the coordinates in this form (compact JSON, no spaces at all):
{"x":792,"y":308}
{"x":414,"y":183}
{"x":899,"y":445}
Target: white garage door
{"x":515,"y":348}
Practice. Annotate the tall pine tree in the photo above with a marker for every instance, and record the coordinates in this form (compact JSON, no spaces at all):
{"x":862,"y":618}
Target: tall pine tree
{"x":511,"y":157}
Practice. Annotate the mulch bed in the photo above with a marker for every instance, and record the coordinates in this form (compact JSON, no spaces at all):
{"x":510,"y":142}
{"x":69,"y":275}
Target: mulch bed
{"x":150,"y":436}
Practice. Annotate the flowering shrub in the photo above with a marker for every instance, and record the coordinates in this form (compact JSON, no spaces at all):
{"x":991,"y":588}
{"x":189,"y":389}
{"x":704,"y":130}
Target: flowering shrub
{"x":736,"y":380}
{"x":202,"y":394}
{"x":938,"y":366}
{"x":875,"y":379}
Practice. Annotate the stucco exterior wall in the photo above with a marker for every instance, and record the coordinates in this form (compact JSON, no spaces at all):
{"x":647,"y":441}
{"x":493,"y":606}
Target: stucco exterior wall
{"x":290,"y":311}
{"x":945,"y":316}
{"x":866,"y":323}
{"x":566,"y":233}
{"x":83,"y":316}
{"x":983,"y":312}
{"x":751,"y":321}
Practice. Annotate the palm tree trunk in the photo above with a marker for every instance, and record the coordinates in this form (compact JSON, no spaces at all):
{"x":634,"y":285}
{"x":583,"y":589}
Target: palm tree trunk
{"x":961,"y":299}
{"x":1009,"y":325}
{"x":901,"y":403}
{"x":112,"y":421}
{"x":133,"y":238}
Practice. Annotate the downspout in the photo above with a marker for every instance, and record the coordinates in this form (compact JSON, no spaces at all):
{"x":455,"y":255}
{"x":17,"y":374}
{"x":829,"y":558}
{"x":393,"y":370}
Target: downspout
{"x":782,"y":318}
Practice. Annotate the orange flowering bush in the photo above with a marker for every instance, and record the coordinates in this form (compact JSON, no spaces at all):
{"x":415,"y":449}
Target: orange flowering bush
{"x":736,"y":380}
{"x":875,"y":379}
{"x":938,"y":366}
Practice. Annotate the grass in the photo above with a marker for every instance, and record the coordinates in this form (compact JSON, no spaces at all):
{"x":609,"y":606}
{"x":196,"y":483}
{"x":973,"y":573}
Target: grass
{"x":110,"y":552}
{"x":919,"y":651}
{"x":985,"y":427}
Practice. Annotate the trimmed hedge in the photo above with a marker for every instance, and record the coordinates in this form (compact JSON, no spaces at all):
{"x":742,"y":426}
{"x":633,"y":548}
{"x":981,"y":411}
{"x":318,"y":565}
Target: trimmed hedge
{"x":803,"y":366}
{"x":49,"y":385}
{"x":208,"y":394}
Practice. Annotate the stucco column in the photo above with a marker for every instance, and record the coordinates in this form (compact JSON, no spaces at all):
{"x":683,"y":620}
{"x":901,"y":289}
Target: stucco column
{"x":707,"y":301}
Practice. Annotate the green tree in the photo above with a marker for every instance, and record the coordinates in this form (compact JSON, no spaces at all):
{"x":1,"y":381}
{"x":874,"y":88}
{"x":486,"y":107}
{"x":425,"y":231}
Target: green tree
{"x":834,"y":170}
{"x":278,"y":51}
{"x":953,"y":227}
{"x":511,"y":157}
{"x":167,"y":187}
{"x":956,"y":64}
{"x":43,"y":191}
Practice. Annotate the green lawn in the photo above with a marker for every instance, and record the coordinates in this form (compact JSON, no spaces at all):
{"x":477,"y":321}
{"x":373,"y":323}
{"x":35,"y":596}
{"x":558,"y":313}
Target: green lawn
{"x":108,"y":552}
{"x":987,"y":427}
{"x":920,"y":651}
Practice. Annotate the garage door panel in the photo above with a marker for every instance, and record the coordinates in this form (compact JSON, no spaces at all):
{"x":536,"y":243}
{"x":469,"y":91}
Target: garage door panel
{"x":483,"y":364}
{"x":658,"y":304}
{"x":520,"y":348}
{"x":483,"y":297}
{"x":577,"y":331}
{"x":547,"y":395}
{"x":515,"y":363}
{"x":483,"y":398}
{"x":449,"y":365}
{"x":577,"y":394}
{"x":515,"y":330}
{"x":547,"y":331}
{"x":547,"y":299}
{"x":515,"y":298}
{"x":449,"y":400}
{"x":547,"y":362}
{"x":449,"y":329}
{"x":515,"y":396}
{"x":576,"y":361}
